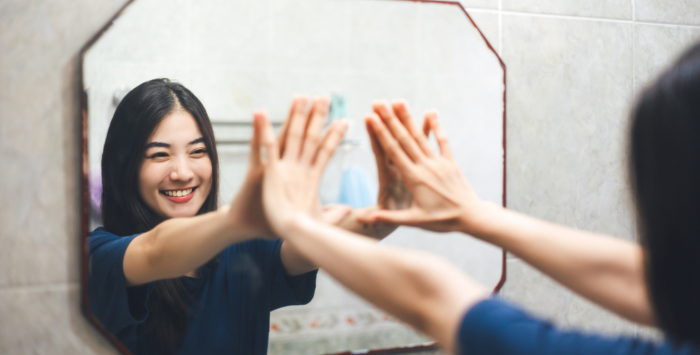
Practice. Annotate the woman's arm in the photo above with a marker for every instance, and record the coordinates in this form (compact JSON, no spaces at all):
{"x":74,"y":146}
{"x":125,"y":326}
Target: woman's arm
{"x":421,"y":289}
{"x":178,"y":246}
{"x":606,"y":270}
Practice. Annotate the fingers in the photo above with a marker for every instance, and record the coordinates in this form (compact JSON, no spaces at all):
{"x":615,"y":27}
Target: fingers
{"x":317,"y":117}
{"x":267,"y":137}
{"x":255,"y":141}
{"x":295,"y":127}
{"x":404,"y":217}
{"x":397,"y":129}
{"x":334,"y":214}
{"x":389,"y":145}
{"x":282,"y":137}
{"x":401,"y":111}
{"x":379,"y":156}
{"x":426,"y":125}
{"x":440,"y":136}
{"x":329,"y":144}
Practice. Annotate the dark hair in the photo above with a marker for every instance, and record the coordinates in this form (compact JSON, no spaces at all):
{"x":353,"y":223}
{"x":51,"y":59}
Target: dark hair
{"x":124,"y":211}
{"x":665,"y":174}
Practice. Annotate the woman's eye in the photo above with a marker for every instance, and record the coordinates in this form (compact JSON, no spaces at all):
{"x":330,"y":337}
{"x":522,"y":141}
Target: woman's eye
{"x":158,"y":155}
{"x":200,"y":151}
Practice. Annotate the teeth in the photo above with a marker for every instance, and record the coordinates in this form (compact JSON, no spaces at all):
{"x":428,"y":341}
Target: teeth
{"x":178,"y":193}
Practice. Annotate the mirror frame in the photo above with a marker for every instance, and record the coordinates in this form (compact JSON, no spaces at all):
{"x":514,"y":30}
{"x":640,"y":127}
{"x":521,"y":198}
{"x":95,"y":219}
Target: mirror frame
{"x":85,"y":194}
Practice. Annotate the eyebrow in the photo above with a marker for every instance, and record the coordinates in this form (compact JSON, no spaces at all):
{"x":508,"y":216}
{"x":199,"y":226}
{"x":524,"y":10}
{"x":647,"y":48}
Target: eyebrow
{"x":166,"y":145}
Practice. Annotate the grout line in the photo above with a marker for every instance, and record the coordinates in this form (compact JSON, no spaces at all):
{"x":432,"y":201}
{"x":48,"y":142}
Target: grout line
{"x":633,"y":11}
{"x":583,"y":18}
{"x":500,"y":27}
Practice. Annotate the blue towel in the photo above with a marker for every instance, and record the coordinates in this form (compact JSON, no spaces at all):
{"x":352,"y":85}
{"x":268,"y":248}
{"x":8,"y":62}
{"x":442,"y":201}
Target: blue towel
{"x":356,"y":188}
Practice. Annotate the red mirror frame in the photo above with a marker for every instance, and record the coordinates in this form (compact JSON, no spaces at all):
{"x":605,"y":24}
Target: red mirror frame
{"x":85,"y":194}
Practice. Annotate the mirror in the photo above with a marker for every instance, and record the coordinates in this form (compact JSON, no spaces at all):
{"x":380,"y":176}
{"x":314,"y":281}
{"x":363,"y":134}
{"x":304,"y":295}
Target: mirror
{"x":237,"y":56}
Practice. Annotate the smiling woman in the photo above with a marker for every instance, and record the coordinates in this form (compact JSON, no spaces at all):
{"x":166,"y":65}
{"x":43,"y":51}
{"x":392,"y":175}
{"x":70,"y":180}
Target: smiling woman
{"x":168,"y":268}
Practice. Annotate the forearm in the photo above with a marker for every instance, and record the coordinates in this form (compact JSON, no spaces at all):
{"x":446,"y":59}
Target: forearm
{"x":179,"y":245}
{"x":606,"y":270}
{"x":375,"y":230}
{"x":418,"y":288}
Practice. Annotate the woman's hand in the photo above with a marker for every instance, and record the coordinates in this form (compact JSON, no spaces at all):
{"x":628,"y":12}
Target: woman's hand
{"x":442,"y":199}
{"x":246,"y":210}
{"x":291,"y":178}
{"x":393,"y":194}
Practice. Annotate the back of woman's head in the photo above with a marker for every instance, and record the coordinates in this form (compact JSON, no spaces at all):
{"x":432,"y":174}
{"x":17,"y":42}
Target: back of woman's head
{"x":665,"y":171}
{"x":135,"y":119}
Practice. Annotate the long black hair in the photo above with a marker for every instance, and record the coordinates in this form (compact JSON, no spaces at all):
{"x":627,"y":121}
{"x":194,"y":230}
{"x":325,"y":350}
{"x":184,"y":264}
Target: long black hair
{"x":124,"y":211}
{"x":665,"y":174}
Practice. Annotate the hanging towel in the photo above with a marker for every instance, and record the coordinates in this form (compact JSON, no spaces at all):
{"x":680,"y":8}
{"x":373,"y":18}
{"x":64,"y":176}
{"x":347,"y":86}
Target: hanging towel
{"x":356,"y":188}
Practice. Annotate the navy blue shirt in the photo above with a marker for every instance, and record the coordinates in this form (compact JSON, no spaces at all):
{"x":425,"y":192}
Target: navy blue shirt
{"x":233,"y":299}
{"x":495,"y":327}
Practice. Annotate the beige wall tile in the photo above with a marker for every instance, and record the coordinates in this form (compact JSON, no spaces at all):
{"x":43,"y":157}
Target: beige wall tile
{"x":569,"y":88}
{"x":656,"y":47}
{"x":615,"y":9}
{"x":676,"y":12}
{"x":46,"y":320}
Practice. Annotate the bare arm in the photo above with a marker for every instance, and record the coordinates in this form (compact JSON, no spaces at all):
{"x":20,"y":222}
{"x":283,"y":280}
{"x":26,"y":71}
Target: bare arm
{"x":178,"y":246}
{"x":421,"y":289}
{"x":606,"y":270}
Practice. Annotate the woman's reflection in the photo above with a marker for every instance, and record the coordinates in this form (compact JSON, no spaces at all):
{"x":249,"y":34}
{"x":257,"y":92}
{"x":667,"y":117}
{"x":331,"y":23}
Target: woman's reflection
{"x":199,"y":285}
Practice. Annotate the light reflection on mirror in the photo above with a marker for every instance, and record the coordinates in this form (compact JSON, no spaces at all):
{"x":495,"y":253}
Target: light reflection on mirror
{"x":237,"y":56}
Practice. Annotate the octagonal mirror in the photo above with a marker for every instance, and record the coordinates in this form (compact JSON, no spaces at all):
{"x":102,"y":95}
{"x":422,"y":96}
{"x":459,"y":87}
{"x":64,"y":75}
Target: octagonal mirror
{"x":237,"y":56}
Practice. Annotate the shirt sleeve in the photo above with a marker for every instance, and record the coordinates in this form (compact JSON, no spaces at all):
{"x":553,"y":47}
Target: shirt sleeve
{"x":110,"y":301}
{"x":289,"y":290}
{"x":495,"y":327}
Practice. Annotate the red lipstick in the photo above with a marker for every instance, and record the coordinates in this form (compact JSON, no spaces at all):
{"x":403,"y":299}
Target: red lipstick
{"x":180,"y":199}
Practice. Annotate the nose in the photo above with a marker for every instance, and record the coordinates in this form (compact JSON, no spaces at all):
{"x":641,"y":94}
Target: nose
{"x":181,"y":171}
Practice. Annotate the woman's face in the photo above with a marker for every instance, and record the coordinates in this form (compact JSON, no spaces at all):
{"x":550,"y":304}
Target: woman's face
{"x":175,"y":176}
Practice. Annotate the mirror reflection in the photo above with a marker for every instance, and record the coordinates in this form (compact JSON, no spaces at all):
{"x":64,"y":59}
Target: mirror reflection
{"x":182,"y":259}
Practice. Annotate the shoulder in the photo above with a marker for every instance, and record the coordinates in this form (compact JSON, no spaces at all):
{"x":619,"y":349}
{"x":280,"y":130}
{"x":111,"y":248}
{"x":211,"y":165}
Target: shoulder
{"x":100,"y":239}
{"x":496,"y":327}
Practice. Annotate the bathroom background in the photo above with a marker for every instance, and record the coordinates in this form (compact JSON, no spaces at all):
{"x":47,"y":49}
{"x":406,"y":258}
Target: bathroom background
{"x":573,"y":69}
{"x":240,"y":55}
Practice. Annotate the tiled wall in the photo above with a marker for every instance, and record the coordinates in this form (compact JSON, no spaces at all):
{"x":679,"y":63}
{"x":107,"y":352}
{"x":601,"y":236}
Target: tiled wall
{"x":573,"y":70}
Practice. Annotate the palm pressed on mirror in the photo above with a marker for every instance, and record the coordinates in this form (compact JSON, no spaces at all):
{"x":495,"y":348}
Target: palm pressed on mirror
{"x":224,"y":59}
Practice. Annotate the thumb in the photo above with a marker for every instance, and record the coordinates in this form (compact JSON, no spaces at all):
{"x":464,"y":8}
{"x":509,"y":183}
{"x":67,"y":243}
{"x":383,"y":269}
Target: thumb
{"x":405,"y":217}
{"x":334,"y":214}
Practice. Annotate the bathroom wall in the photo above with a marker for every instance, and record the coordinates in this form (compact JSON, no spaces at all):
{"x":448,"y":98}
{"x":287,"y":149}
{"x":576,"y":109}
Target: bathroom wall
{"x":573,"y":70}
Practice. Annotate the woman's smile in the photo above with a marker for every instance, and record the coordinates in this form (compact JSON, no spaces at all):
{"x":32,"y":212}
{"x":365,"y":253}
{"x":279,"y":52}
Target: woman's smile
{"x":180,"y":195}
